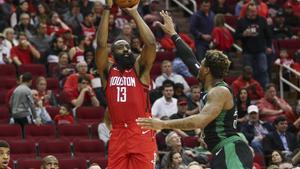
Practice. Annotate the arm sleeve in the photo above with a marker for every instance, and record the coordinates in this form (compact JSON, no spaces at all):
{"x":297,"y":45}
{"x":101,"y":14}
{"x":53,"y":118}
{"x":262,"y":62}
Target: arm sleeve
{"x":186,"y":54}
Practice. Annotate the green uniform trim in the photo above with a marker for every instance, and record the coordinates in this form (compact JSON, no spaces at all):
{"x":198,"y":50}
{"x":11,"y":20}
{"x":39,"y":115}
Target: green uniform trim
{"x":231,"y":159}
{"x":226,"y":141}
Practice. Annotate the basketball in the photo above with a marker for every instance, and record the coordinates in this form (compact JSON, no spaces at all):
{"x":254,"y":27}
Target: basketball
{"x":126,"y":3}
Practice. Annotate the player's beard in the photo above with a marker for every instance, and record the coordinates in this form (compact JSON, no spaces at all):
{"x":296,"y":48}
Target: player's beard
{"x":124,"y":62}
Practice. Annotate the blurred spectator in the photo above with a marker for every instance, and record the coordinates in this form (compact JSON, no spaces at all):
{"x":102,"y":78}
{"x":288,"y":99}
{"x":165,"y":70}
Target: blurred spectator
{"x":284,"y":58}
{"x":10,"y":40}
{"x":87,"y":26}
{"x":295,"y":4}
{"x":113,"y":30}
{"x":89,"y":57}
{"x":182,"y":113}
{"x":42,"y":116}
{"x":86,"y":5}
{"x":57,"y":47}
{"x":121,"y":18}
{"x":4,"y":51}
{"x":73,"y":18}
{"x":21,"y":102}
{"x":72,"y":80}
{"x":221,"y":36}
{"x":167,"y":104}
{"x":42,"y":15}
{"x":178,"y":90}
{"x":64,"y":116}
{"x":24,"y":52}
{"x":238,"y":7}
{"x":47,"y":97}
{"x":290,"y":18}
{"x":242,"y":103}
{"x":3,"y":18}
{"x":255,"y":130}
{"x":202,"y":24}
{"x":180,"y":68}
{"x":136,"y":46}
{"x":261,"y":8}
{"x":167,"y":73}
{"x":276,"y":158}
{"x":280,"y":139}
{"x":246,"y":81}
{"x":50,"y":162}
{"x":23,"y":7}
{"x":83,"y":95}
{"x":5,"y":154}
{"x":56,"y":25}
{"x":24,"y":25}
{"x":76,"y":53}
{"x":280,"y":29}
{"x":134,"y":28}
{"x":273,"y":7}
{"x":168,"y":45}
{"x":220,"y":7}
{"x":270,"y":106}
{"x":194,"y":99}
{"x":10,"y":91}
{"x":63,"y":69}
{"x":126,"y":33}
{"x":97,"y":9}
{"x":255,"y":35}
{"x":174,"y":144}
{"x":41,"y":40}
{"x":175,"y":161}
{"x":61,"y":6}
{"x":104,"y":129}
{"x":7,"y":9}
{"x":68,"y":39}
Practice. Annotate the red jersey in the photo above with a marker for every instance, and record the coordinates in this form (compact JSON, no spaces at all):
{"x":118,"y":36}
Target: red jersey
{"x":127,"y":97}
{"x":64,"y":119}
{"x":78,"y":56}
{"x":24,"y":55}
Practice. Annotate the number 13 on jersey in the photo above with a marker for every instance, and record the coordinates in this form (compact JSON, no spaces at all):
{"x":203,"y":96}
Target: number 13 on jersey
{"x":121,"y":94}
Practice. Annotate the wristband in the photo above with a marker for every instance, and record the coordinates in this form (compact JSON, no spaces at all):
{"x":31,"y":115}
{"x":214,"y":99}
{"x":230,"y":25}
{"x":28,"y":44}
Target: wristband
{"x":175,"y":37}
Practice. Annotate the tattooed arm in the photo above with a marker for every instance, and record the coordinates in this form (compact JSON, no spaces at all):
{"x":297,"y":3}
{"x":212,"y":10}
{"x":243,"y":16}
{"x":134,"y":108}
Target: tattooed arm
{"x":218,"y":98}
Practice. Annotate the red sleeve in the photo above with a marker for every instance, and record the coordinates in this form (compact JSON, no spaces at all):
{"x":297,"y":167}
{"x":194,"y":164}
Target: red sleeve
{"x":71,"y":82}
{"x":243,"y":11}
{"x":13,"y":52}
{"x":259,"y":90}
{"x":235,"y":88}
{"x":167,"y":43}
{"x":188,"y":40}
{"x":8,"y":95}
{"x":71,"y":119}
{"x":216,"y":36}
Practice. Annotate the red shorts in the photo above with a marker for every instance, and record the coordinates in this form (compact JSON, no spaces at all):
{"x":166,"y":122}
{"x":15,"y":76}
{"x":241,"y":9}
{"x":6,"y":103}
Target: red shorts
{"x":131,"y":148}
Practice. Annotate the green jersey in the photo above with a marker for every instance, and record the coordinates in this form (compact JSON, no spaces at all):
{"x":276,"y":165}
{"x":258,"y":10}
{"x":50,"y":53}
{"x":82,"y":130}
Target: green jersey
{"x":223,"y":126}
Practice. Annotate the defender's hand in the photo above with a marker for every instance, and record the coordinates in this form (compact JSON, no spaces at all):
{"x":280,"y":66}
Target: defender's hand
{"x":150,"y":123}
{"x":168,"y":27}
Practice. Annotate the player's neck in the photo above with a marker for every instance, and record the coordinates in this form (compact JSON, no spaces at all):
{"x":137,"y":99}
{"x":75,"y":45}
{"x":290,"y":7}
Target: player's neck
{"x":210,"y":82}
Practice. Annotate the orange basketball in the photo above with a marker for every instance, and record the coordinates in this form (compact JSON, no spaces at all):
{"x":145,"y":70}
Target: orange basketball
{"x":126,"y":3}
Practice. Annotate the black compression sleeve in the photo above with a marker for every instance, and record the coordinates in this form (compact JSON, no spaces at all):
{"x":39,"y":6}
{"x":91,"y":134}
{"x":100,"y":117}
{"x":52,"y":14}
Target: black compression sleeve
{"x":186,"y":55}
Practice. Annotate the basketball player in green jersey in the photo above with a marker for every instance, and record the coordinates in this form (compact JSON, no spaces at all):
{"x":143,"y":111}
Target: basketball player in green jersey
{"x":218,"y":116}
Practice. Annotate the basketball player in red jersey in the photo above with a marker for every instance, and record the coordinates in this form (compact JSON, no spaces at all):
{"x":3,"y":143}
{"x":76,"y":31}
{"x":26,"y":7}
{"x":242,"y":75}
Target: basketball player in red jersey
{"x":126,"y":82}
